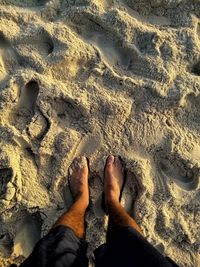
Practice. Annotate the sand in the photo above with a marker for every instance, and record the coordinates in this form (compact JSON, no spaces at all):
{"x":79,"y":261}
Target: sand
{"x":94,"y":77}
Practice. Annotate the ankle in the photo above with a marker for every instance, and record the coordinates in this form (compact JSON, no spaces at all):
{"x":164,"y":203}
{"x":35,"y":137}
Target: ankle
{"x":82,"y":199}
{"x":111,"y":199}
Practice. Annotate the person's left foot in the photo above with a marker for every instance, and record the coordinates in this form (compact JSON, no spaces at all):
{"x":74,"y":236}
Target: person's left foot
{"x":78,"y":179}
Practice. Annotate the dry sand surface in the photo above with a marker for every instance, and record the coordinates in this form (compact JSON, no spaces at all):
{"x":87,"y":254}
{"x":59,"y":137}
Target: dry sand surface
{"x":94,"y":77}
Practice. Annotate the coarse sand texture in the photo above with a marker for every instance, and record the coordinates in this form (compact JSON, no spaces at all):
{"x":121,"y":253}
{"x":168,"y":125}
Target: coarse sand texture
{"x":93,"y":78}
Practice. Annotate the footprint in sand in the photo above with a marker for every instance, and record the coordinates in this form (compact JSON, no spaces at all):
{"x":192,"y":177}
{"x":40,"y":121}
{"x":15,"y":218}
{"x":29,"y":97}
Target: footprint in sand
{"x":28,"y":234}
{"x":24,"y":111}
{"x":112,"y":52}
{"x":89,"y":144}
{"x":39,"y":42}
{"x":9,"y":58}
{"x":119,"y":56}
{"x":196,"y":68}
{"x":96,"y":184}
{"x":7,"y":189}
{"x":71,"y":114}
{"x":111,"y":49}
{"x":179,"y":170}
{"x":39,"y":126}
{"x":130,"y":192}
{"x":190,"y":112}
{"x":6,"y":245}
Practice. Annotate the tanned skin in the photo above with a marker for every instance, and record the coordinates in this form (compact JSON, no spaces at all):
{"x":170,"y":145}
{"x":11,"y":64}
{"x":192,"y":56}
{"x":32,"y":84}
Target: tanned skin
{"x":78,"y":181}
{"x":113,"y":181}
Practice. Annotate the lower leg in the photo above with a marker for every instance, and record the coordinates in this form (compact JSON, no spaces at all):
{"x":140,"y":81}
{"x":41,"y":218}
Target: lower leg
{"x":119,"y":218}
{"x":113,"y":181}
{"x":74,"y":218}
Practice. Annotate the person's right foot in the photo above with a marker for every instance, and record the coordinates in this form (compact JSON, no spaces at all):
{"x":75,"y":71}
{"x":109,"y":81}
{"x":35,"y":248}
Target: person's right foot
{"x":78,"y":179}
{"x":114,"y":179}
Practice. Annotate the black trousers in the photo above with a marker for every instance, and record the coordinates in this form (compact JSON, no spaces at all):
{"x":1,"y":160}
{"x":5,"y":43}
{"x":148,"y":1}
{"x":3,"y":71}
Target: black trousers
{"x":127,"y":248}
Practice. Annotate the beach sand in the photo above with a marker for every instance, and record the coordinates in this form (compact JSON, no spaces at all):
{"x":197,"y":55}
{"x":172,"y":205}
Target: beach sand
{"x":100,"y":77}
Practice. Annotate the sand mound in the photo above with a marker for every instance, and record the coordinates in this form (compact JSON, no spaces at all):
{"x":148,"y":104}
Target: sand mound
{"x":95,"y":77}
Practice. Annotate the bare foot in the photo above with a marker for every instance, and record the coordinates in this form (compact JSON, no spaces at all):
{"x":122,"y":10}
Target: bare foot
{"x":78,"y":179}
{"x":114,"y":179}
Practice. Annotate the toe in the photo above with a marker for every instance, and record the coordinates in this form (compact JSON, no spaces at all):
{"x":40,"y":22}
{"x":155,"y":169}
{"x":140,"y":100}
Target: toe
{"x":78,"y":165}
{"x":117,"y":161}
{"x":110,"y":160}
{"x":81,"y":161}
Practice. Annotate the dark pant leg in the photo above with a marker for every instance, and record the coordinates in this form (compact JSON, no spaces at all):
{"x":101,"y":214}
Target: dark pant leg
{"x":59,"y":248}
{"x":128,"y":248}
